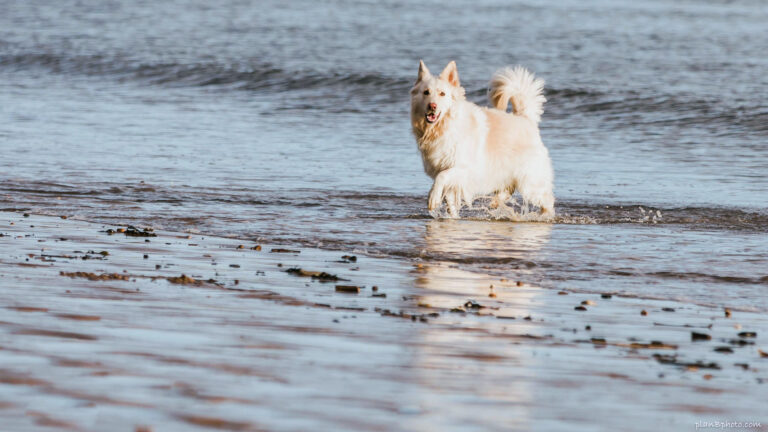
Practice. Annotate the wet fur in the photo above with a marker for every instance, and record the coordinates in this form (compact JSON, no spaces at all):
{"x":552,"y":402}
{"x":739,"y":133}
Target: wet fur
{"x":472,"y":151}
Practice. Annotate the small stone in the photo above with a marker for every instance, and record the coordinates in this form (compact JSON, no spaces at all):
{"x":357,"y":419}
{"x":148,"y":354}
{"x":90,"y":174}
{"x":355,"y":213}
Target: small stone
{"x":240,"y":246}
{"x":580,"y":308}
{"x":727,"y":313}
{"x":351,"y":289}
{"x":63,"y":217}
{"x":562,"y":293}
{"x":146,"y":256}
{"x":492,"y":295}
{"x":588,"y":303}
{"x":643,"y":312}
{"x":519,"y":283}
{"x":695,"y":336}
{"x":374,"y":288}
{"x":606,"y":295}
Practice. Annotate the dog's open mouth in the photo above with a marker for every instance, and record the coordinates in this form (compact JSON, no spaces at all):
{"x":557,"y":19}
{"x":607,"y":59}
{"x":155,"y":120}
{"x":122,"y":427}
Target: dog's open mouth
{"x":432,"y":117}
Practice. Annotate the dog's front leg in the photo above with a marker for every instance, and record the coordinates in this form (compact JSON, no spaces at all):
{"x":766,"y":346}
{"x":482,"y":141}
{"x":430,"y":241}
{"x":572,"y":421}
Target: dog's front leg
{"x":446,"y":182}
{"x":436,"y":194}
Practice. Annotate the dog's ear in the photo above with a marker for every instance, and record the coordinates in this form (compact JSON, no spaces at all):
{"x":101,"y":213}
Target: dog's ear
{"x":423,"y":72}
{"x":451,"y":74}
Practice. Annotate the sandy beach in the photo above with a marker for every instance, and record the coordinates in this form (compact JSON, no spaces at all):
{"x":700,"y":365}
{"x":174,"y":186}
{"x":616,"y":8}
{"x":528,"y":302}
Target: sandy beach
{"x":102,"y":330}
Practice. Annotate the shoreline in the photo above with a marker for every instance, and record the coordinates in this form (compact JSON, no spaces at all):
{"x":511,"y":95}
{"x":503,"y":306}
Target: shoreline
{"x":190,"y":331}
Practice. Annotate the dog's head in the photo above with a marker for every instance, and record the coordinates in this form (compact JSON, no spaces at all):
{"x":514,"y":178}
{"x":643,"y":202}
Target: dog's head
{"x":432,"y":97}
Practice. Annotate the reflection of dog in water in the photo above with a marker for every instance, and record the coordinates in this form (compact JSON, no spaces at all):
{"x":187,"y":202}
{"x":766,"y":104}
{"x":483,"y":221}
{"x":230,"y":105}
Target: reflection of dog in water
{"x":471,"y":151}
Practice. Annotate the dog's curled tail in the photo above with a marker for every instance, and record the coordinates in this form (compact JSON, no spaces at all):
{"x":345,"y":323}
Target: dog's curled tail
{"x":520,"y":87}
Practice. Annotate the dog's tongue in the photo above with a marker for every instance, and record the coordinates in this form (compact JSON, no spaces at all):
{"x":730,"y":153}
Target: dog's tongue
{"x":431,"y":117}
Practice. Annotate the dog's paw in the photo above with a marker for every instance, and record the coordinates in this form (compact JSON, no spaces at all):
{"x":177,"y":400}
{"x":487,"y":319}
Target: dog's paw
{"x":435,"y":197}
{"x":433,"y":203}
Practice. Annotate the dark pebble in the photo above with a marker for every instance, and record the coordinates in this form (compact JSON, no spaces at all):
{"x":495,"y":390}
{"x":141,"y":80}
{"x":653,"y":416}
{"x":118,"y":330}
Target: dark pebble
{"x":695,"y":336}
{"x":352,"y":289}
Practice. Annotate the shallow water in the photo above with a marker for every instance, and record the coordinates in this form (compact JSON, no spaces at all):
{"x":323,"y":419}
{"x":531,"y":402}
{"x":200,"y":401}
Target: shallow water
{"x":288,"y":123}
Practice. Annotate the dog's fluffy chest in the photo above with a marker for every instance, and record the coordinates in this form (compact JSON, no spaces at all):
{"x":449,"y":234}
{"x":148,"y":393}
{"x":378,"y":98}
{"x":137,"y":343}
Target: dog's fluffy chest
{"x":438,"y":155}
{"x":457,"y":141}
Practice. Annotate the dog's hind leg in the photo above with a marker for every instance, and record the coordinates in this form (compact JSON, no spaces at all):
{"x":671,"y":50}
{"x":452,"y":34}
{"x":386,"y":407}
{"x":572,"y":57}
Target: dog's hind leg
{"x":467,"y":198}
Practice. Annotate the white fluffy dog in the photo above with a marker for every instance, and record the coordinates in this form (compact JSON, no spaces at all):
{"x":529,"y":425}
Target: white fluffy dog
{"x":471,"y":151}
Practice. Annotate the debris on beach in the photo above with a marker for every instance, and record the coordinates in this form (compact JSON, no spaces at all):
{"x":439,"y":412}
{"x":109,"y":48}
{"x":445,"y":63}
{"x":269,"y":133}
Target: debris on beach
{"x":281,"y":250}
{"x":671,"y":359}
{"x":651,"y":345}
{"x":183,"y":280}
{"x":132,"y":231}
{"x":696,"y":336}
{"x":94,"y":276}
{"x":317,"y":275}
{"x":351,"y":289}
{"x":471,"y":304}
{"x":348,"y":259}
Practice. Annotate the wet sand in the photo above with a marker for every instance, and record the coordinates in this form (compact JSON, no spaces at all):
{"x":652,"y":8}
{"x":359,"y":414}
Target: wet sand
{"x":168,"y":331}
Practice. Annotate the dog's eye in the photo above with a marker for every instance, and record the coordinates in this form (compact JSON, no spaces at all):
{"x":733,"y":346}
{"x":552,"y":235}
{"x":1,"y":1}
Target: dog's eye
{"x":426,"y":92}
{"x":442,"y":93}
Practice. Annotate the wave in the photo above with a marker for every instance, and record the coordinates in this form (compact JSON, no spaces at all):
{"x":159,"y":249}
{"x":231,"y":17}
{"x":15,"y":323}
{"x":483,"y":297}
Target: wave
{"x":374,"y":205}
{"x":251,"y":75}
{"x":628,"y":108}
